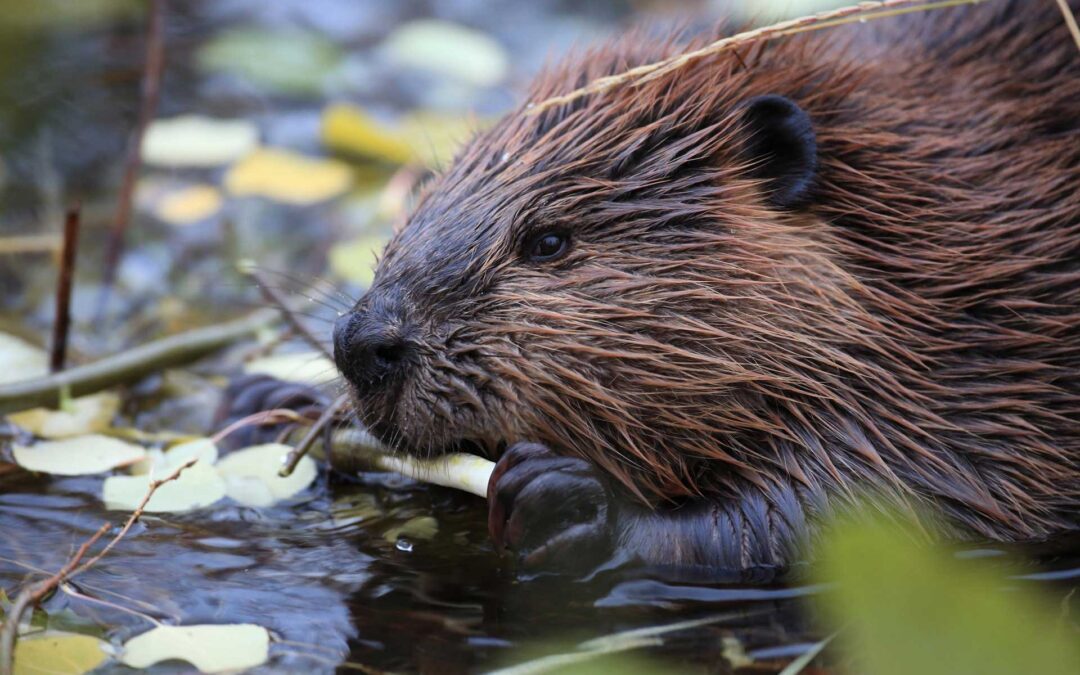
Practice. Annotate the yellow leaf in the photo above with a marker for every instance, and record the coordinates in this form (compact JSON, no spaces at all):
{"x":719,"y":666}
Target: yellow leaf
{"x":427,"y":138}
{"x":191,"y":140}
{"x":77,"y":456}
{"x":311,"y":368}
{"x":87,"y":415}
{"x":288,"y":177}
{"x":355,"y":260}
{"x":210,"y":648}
{"x":251,"y":475}
{"x":51,"y":653}
{"x":198,"y":486}
{"x":20,"y":360}
{"x":189,"y":205}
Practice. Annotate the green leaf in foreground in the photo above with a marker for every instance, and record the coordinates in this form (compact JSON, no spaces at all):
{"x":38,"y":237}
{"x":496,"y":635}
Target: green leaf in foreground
{"x":53,"y":653}
{"x":902,"y":608}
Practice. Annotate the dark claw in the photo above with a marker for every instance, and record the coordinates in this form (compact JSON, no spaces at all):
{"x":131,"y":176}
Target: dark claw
{"x":251,"y":394}
{"x":552,"y":511}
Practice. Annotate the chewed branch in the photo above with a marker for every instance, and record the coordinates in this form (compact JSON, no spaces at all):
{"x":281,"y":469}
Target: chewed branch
{"x":862,"y":12}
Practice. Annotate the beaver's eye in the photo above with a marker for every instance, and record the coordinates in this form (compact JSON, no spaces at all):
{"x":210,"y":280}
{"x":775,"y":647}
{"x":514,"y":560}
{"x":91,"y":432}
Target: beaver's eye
{"x":549,"y":246}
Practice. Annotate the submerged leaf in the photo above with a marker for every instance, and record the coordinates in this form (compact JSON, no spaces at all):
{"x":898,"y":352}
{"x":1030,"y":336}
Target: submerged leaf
{"x":211,"y":648}
{"x":85,"y":415}
{"x":20,"y":360}
{"x":448,"y":49}
{"x":198,"y":486}
{"x":288,"y":177}
{"x":52,"y":652}
{"x":192,"y":140}
{"x":252,"y":478}
{"x":77,"y":456}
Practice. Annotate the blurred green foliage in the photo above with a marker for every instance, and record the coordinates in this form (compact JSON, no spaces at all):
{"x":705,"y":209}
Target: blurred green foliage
{"x":902,"y":608}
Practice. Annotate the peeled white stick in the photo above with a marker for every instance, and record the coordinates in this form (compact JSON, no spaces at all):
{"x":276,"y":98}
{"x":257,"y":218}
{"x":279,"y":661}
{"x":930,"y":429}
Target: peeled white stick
{"x":457,"y":470}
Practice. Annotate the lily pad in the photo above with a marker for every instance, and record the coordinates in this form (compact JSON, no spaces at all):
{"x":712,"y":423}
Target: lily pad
{"x":198,"y":486}
{"x":196,"y":141}
{"x":77,"y":456}
{"x":54,"y":652}
{"x":211,"y":648}
{"x":288,"y":177}
{"x":310,"y":368}
{"x":448,"y":49}
{"x":20,"y":360}
{"x":86,"y":415}
{"x":245,"y":469}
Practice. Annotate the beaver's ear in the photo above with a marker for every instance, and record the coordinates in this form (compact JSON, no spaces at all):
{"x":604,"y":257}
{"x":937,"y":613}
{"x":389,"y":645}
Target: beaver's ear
{"x":782,"y":147}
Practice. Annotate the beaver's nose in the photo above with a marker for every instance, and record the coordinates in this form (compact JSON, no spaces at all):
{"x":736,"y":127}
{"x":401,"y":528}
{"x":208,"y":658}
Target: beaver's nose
{"x":368,"y":348}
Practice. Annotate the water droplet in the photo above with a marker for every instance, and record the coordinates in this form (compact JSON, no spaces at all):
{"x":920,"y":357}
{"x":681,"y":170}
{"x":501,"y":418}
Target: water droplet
{"x":404,"y":545}
{"x":506,"y":157}
{"x":862,"y":19}
{"x":529,"y":106}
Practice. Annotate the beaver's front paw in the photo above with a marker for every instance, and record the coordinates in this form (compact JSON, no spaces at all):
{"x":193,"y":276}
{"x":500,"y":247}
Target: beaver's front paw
{"x":554,"y":512}
{"x":249,"y":395}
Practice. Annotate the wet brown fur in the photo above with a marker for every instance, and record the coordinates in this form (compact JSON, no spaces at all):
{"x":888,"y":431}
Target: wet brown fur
{"x":913,"y":330}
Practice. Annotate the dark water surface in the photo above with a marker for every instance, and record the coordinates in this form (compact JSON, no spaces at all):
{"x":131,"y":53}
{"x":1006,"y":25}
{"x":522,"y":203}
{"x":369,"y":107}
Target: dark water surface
{"x":352,"y":574}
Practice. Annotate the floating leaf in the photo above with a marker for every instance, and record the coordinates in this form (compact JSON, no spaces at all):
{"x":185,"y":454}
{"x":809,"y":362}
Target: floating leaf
{"x":192,"y":140}
{"x":292,"y":62}
{"x":189,"y":205}
{"x":198,"y":486}
{"x":20,"y":360}
{"x":244,"y":471}
{"x":288,"y":177}
{"x":86,"y":415}
{"x":448,"y":49}
{"x":355,"y":260}
{"x":211,"y":648}
{"x":53,"y":652}
{"x":77,"y":456}
{"x":427,"y":138}
{"x":163,"y":463}
{"x":311,"y":368}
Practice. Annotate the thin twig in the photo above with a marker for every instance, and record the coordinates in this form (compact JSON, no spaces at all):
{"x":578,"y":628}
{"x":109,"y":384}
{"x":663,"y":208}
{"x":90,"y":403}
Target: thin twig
{"x":1070,"y":21}
{"x":862,"y":12}
{"x":274,"y":297}
{"x":131,"y":365}
{"x":301,"y":449}
{"x":151,"y":90}
{"x":275,"y":416}
{"x":32,"y":595}
{"x":62,"y":320}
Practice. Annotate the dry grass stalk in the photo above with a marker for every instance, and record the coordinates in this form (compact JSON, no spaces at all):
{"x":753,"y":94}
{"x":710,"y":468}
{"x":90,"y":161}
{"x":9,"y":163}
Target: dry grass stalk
{"x":861,"y":13}
{"x":31,"y":595}
{"x":1070,"y":21}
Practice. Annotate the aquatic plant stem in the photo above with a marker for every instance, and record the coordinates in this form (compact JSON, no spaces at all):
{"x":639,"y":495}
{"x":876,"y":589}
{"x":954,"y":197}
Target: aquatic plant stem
{"x":320,"y":425}
{"x":32,"y":595}
{"x":151,"y":92}
{"x":862,"y":12}
{"x":130,"y":365}
{"x":62,"y":320}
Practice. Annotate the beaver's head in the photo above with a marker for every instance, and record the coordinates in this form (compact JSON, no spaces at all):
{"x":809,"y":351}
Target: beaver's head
{"x":612,"y":277}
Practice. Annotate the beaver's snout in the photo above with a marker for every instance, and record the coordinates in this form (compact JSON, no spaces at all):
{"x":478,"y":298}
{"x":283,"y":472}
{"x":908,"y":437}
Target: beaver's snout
{"x":370,"y":346}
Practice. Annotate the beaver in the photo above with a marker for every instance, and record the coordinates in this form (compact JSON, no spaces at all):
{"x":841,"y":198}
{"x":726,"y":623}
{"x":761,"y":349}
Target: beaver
{"x":693,"y":316}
